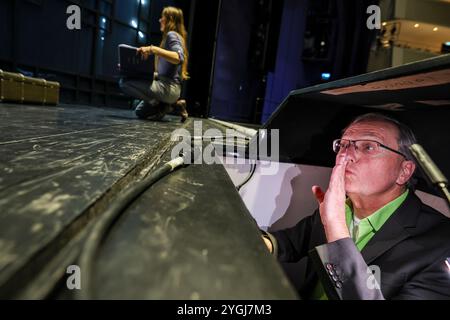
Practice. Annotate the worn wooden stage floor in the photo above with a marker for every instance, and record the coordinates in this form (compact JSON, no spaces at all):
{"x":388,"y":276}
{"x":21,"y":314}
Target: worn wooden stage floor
{"x":188,"y":237}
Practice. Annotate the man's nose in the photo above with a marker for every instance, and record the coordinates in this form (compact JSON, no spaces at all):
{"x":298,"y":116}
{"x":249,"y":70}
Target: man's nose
{"x":351,"y":152}
{"x":348,"y":152}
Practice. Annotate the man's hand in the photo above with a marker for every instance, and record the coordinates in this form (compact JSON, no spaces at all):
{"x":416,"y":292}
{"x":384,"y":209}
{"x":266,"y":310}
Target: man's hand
{"x":332,"y":203}
{"x":145,"y":52}
{"x":268,"y":244}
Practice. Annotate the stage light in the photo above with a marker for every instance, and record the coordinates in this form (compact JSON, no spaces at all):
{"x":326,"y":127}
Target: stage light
{"x":134,"y":23}
{"x":326,"y":76}
{"x":141,"y":35}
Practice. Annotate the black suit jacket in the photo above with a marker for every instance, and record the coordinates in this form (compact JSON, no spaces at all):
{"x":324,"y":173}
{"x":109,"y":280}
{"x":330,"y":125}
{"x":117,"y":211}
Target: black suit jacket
{"x":410,"y":250}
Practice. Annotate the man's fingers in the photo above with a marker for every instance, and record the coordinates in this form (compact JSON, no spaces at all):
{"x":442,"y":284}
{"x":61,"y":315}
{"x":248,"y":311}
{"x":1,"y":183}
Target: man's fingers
{"x":341,"y":158}
{"x":318,"y":193}
{"x":339,"y":168}
{"x":338,"y":174}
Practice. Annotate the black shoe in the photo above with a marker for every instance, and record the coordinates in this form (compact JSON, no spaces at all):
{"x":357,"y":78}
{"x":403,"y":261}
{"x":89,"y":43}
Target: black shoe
{"x":163,"y":109}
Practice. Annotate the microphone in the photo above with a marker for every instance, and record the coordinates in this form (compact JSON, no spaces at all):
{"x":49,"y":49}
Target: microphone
{"x":432,"y":171}
{"x":428,"y":166}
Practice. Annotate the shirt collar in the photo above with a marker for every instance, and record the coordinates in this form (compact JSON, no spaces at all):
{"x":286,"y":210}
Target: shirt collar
{"x":379,"y":217}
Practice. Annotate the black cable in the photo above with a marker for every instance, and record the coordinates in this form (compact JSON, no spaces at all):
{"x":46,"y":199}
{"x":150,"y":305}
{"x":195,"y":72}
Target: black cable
{"x":252,"y":171}
{"x":246,"y":139}
{"x":102,"y":226}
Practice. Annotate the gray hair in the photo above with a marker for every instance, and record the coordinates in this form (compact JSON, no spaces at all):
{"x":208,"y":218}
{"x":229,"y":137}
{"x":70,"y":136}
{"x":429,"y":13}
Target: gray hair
{"x":405,"y":138}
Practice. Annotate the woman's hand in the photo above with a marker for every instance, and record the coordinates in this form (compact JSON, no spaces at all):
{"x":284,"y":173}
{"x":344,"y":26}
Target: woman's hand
{"x":145,"y":52}
{"x":332,"y":203}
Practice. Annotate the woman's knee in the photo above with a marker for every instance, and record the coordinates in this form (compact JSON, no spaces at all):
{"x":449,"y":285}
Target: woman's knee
{"x":122,"y":83}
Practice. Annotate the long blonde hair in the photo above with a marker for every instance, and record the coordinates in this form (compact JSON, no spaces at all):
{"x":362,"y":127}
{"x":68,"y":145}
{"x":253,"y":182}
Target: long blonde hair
{"x":175,"y":22}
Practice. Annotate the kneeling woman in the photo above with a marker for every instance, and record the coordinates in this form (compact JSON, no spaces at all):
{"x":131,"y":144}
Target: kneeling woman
{"x":171,"y":59}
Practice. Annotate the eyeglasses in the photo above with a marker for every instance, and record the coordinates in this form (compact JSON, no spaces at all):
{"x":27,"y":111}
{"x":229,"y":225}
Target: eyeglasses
{"x":365,"y":147}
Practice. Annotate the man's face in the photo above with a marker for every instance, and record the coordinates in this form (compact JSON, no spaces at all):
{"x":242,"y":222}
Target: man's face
{"x":375,"y":174}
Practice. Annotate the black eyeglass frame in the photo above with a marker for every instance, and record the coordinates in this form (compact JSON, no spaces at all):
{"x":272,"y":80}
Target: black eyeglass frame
{"x":379,"y":143}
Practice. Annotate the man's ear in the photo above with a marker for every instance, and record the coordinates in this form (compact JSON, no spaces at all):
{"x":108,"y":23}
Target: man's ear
{"x":406,"y":172}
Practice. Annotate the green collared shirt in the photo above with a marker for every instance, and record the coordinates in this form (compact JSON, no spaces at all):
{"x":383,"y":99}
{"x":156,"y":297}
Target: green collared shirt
{"x":367,"y":228}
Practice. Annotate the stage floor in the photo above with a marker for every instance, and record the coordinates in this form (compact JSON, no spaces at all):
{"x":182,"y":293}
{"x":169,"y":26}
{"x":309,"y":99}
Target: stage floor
{"x":60,"y":168}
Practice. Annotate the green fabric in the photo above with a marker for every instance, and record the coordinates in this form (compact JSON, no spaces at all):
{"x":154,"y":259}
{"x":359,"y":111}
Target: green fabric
{"x":367,"y":229}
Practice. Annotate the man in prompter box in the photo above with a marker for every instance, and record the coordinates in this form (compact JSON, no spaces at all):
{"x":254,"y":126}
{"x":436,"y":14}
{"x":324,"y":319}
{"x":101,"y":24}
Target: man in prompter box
{"x":371,"y":237}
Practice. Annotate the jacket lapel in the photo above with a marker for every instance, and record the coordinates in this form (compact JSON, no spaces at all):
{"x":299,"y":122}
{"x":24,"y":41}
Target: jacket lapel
{"x":394,"y":230}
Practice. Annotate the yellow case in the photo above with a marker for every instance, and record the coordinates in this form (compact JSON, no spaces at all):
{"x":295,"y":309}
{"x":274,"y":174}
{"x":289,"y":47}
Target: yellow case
{"x":15,"y":87}
{"x":41,"y":91}
{"x":52,"y":96}
{"x":11,"y":86}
